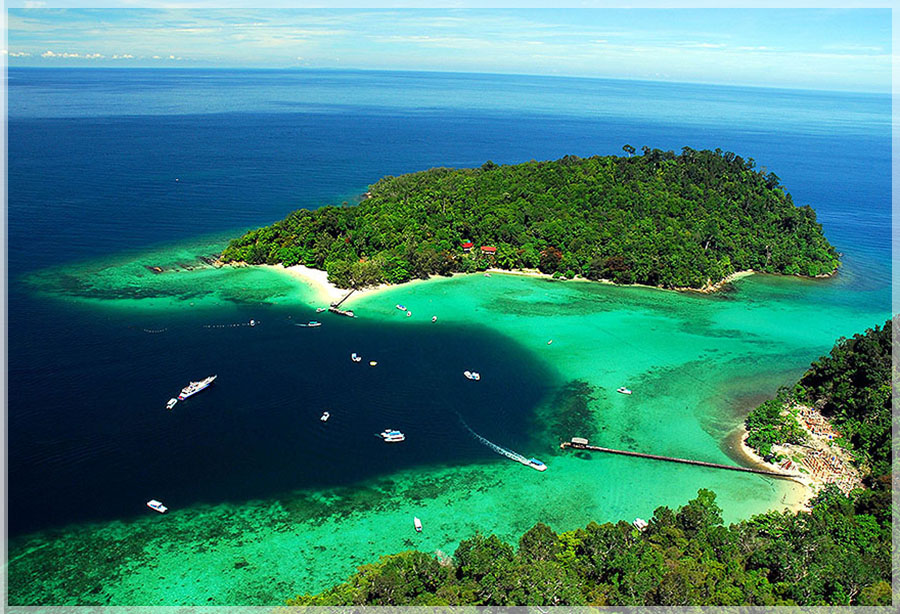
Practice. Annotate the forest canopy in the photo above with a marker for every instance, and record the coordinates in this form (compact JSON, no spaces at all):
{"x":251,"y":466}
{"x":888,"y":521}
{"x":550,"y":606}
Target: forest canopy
{"x":663,"y":219}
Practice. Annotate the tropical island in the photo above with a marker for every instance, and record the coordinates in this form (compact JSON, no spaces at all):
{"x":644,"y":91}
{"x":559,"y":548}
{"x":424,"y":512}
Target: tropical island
{"x":836,"y":553}
{"x":686,"y":220}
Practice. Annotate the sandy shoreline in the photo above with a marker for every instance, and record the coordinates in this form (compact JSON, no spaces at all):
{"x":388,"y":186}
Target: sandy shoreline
{"x":796,"y":500}
{"x":326,"y":292}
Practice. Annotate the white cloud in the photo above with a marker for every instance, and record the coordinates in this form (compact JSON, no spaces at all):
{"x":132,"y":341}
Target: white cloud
{"x":19,"y":54}
{"x":68,"y":54}
{"x":122,"y":56}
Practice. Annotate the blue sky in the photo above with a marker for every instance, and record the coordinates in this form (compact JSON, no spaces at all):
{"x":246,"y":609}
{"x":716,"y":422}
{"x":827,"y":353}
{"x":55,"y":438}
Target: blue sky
{"x":803,"y":48}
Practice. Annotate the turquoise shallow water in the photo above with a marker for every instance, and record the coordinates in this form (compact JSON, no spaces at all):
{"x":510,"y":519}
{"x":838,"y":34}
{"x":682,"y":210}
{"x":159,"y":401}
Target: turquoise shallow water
{"x":695,"y":364}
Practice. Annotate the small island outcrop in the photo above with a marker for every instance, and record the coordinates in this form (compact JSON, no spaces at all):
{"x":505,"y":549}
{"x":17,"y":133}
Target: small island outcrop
{"x":671,"y":220}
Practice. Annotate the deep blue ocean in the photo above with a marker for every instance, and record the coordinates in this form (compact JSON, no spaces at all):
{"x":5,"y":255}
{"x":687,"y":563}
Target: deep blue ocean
{"x":93,"y":158}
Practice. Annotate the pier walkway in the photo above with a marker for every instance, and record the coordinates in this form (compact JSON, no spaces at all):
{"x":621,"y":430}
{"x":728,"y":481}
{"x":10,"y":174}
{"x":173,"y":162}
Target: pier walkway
{"x":338,"y":303}
{"x":581,"y":444}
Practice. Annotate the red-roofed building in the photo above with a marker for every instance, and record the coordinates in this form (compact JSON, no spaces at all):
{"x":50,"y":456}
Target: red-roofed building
{"x":488,"y":249}
{"x":467,"y":246}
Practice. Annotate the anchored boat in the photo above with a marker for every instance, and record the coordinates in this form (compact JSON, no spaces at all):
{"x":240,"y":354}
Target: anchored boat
{"x":171,"y":403}
{"x":472,"y":375}
{"x":623,"y":390}
{"x":392,"y":436}
{"x":153,"y":504}
{"x":418,"y":524}
{"x":195,"y":387}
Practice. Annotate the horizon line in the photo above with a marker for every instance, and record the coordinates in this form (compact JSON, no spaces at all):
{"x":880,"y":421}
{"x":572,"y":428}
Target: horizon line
{"x":887,"y":92}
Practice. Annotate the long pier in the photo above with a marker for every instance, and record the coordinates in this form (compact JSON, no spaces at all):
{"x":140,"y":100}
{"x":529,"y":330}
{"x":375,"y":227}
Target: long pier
{"x":338,"y":304}
{"x":583,"y":445}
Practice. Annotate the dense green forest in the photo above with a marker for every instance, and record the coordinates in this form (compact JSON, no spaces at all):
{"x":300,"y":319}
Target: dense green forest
{"x":852,"y":386}
{"x":839,"y":553}
{"x":659,"y":218}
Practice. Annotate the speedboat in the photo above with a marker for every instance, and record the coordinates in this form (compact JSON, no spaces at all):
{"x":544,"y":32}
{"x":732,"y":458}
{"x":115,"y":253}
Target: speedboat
{"x":392,"y":436}
{"x":153,"y":504}
{"x":171,"y":403}
{"x":536,"y":464}
{"x":355,"y":357}
{"x":418,"y":524}
{"x":408,"y":313}
{"x":434,"y":319}
{"x":623,"y":390}
{"x":372,"y":363}
{"x":472,"y":375}
{"x":401,"y":307}
{"x":321,"y":309}
{"x":195,"y":387}
{"x":325,"y":416}
{"x":313,"y":324}
{"x":252,"y":322}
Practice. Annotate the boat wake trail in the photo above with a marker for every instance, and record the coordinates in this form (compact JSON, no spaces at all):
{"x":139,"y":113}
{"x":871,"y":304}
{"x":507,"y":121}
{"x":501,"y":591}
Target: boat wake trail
{"x":498,"y":449}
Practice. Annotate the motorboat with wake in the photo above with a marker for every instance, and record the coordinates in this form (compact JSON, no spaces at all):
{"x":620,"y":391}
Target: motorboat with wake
{"x":355,"y":357}
{"x":472,"y":375}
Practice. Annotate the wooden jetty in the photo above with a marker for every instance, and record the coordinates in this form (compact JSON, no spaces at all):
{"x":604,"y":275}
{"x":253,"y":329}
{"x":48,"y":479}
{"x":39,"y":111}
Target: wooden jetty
{"x":578,"y":443}
{"x":336,"y":306}
{"x":338,"y":303}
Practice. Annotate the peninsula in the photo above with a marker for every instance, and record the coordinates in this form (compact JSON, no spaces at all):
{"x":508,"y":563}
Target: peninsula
{"x":671,"y":220}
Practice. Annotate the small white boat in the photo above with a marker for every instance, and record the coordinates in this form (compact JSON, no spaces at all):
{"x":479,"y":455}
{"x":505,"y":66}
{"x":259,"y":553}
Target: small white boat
{"x":623,"y":390}
{"x":372,"y":363}
{"x":401,"y":307}
{"x":321,"y":309}
{"x":325,"y":416}
{"x":313,"y":324}
{"x":418,"y":524}
{"x":252,"y":322}
{"x":640,"y":524}
{"x":355,"y":357}
{"x":408,"y":313}
{"x":472,"y":375}
{"x":153,"y":504}
{"x":392,"y":436}
{"x":434,"y":318}
{"x":171,"y":403}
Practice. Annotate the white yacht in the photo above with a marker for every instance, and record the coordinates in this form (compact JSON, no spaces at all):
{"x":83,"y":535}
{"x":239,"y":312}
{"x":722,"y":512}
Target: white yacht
{"x":401,"y":307}
{"x":472,"y":375}
{"x":623,"y":390}
{"x":195,"y":387}
{"x":325,"y":416}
